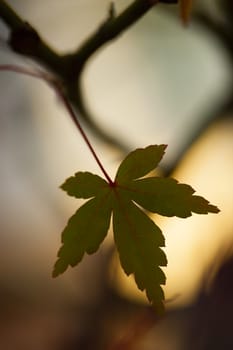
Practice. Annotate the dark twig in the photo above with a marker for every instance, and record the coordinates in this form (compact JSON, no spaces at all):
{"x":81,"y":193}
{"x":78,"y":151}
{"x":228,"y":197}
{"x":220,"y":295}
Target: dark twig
{"x":25,"y":40}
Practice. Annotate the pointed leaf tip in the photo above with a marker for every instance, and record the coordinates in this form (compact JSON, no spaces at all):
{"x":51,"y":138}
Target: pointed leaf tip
{"x":84,"y":185}
{"x":138,"y":241}
{"x":59,"y":267}
{"x":201,"y":206}
{"x":168,"y":197}
{"x":140,"y":162}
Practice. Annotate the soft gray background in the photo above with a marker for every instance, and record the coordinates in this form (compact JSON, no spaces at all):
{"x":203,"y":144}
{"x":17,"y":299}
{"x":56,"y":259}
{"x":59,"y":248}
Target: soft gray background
{"x":153,"y":85}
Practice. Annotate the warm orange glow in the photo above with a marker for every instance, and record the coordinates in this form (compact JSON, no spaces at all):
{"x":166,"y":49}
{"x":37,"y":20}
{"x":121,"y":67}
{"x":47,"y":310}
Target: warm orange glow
{"x":192,"y":244}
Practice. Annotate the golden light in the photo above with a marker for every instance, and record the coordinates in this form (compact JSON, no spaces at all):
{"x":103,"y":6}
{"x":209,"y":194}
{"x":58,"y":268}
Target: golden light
{"x":194,"y":243}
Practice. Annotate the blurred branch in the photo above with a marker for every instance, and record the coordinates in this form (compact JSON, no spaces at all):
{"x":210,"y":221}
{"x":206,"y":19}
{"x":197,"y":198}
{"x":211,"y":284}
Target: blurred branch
{"x":25,"y":40}
{"x":110,"y":29}
{"x":223,"y":111}
{"x":223,"y":32}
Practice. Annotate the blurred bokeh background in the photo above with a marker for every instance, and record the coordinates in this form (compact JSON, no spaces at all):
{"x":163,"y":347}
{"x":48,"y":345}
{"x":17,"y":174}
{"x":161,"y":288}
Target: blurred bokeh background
{"x":157,"y":83}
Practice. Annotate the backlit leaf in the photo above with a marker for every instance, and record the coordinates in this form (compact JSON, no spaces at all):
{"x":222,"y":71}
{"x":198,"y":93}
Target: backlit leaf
{"x":137,"y":237}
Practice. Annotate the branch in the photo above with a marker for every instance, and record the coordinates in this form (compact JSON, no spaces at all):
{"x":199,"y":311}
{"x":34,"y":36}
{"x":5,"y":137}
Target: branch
{"x":111,"y":29}
{"x":9,"y":16}
{"x":223,"y":32}
{"x":25,"y":40}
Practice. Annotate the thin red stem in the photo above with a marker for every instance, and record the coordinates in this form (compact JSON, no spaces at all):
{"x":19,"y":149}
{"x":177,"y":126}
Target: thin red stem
{"x":25,"y":71}
{"x":71,"y":112}
{"x":55,"y":84}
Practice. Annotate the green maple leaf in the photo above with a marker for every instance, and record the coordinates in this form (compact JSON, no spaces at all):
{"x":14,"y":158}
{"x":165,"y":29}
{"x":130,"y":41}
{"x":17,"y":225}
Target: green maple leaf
{"x":137,"y":237}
